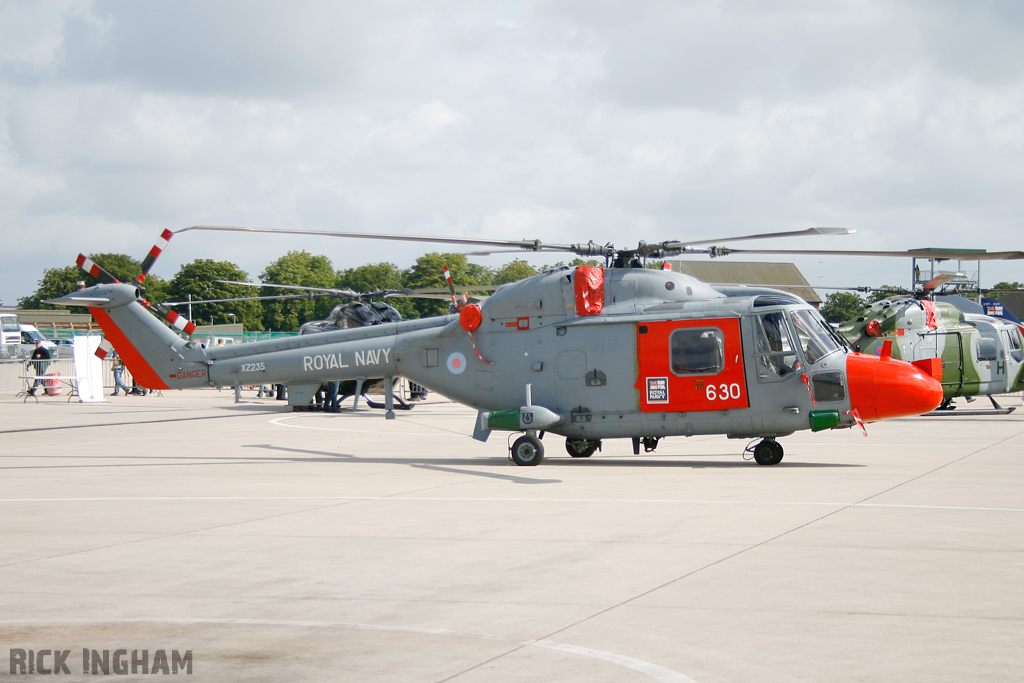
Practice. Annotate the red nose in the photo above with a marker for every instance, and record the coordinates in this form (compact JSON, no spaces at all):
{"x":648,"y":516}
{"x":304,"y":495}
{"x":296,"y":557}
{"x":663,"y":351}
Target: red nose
{"x":881,"y":389}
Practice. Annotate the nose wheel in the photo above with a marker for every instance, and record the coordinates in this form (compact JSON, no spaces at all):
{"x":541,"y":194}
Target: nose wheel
{"x":768,"y":452}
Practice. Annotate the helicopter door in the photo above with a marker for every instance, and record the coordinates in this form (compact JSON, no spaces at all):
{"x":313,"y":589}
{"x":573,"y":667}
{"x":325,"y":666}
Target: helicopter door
{"x":1014,"y":355}
{"x":690,"y":365}
{"x":949,"y":347}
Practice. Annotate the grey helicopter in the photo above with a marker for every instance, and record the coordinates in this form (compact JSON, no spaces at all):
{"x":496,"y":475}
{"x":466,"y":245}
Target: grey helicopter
{"x":585,"y":352}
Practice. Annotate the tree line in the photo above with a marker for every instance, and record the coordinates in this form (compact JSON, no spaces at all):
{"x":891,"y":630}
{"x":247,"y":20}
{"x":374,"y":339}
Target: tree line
{"x":199,"y":279}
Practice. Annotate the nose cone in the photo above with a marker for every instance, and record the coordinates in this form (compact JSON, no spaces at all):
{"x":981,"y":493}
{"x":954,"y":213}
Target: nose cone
{"x":881,"y":389}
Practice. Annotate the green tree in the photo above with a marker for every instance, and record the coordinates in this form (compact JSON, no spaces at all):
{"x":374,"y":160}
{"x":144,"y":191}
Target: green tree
{"x":296,"y":268}
{"x":842,"y":306}
{"x":575,"y":262}
{"x":57,"y":282}
{"x":199,"y":279}
{"x":513,"y":272}
{"x":1001,"y":288}
{"x":428,"y":271}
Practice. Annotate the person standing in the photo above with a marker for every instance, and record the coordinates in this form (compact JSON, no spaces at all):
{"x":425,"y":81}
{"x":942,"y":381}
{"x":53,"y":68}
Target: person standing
{"x":40,"y":360}
{"x":118,"y":367}
{"x":332,"y":397}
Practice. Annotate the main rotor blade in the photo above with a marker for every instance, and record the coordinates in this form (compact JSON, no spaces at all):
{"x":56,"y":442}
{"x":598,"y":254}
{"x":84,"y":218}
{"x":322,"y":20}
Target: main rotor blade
{"x":528,"y":245}
{"x":322,"y":290}
{"x":441,"y":290}
{"x":244,"y":298}
{"x":769,"y":235}
{"x":938,"y":254}
{"x":379,"y":292}
{"x":942,"y":279}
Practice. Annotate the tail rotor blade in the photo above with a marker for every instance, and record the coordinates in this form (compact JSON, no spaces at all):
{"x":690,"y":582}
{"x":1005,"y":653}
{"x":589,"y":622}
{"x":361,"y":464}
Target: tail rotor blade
{"x":451,"y":287}
{"x":95,"y":270}
{"x":104,"y":349}
{"x":173,"y":318}
{"x":151,"y":257}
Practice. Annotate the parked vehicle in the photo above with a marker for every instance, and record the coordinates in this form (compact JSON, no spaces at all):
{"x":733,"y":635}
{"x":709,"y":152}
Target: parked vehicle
{"x":10,"y":335}
{"x":29,"y":336}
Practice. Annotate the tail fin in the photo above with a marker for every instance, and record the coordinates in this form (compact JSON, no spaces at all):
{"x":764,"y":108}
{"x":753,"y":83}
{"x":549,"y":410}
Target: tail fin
{"x":156,"y":356}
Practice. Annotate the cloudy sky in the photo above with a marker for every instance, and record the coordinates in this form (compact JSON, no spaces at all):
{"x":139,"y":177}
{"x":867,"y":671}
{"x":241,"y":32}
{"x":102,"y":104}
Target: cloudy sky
{"x":566,"y":121}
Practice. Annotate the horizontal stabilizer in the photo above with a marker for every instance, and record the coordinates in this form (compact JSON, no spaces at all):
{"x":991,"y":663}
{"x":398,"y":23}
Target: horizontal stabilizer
{"x":72,"y":300}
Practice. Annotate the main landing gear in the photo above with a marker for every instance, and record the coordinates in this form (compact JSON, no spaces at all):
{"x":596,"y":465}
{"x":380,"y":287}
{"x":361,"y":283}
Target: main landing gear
{"x":768,"y":452}
{"x":582,"y":448}
{"x":527,"y":451}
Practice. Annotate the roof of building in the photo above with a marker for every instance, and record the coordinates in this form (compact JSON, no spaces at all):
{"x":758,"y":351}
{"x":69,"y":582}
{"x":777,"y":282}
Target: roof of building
{"x":1014,"y":301}
{"x":775,"y":275}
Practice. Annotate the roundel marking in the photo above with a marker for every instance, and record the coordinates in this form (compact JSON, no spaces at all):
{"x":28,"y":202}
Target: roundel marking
{"x":456,"y":363}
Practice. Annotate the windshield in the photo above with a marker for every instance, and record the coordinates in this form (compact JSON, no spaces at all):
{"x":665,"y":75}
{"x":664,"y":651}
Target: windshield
{"x":815,"y":339}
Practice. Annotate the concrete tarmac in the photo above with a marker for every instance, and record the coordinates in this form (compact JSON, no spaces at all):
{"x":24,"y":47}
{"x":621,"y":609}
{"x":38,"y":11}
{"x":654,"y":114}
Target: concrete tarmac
{"x":280,"y":546}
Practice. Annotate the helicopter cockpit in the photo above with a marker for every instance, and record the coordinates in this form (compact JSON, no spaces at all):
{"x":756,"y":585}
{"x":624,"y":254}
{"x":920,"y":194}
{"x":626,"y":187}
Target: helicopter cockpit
{"x":787,"y":338}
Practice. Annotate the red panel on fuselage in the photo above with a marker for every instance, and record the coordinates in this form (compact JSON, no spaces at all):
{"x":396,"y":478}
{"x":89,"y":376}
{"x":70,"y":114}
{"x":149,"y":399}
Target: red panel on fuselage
{"x":668,"y":383}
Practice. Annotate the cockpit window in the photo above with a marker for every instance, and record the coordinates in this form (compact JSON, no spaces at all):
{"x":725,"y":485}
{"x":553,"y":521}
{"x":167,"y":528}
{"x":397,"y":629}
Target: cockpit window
{"x":815,"y":340}
{"x":988,"y":349}
{"x":776,"y":357}
{"x":697,"y":351}
{"x":1015,"y":348}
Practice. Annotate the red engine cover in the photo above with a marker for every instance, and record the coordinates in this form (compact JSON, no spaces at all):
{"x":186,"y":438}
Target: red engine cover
{"x":588,"y":284}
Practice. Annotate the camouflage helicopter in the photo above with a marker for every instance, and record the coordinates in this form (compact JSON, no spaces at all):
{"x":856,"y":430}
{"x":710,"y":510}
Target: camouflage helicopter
{"x":586,"y":352}
{"x":980,"y":355}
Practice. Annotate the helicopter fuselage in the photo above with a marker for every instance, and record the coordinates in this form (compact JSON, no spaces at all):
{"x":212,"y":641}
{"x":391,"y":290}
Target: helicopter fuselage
{"x":586,"y":352}
{"x":980,"y":354}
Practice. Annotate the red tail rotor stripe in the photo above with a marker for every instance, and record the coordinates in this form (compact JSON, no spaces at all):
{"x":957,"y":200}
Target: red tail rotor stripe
{"x":180,"y":322}
{"x":136,"y":363}
{"x":89,"y":266}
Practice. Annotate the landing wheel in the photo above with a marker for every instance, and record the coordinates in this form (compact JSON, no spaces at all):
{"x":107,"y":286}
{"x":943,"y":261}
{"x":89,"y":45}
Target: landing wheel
{"x":768,"y":452}
{"x":527,"y":451}
{"x":581,"y":448}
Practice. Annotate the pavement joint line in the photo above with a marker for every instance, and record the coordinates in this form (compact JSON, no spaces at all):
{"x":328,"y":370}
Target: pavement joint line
{"x":398,"y":497}
{"x":277,"y":422}
{"x":728,"y":557}
{"x":162,"y":537}
{"x":123,"y":424}
{"x":338,"y":501}
{"x":922,"y":475}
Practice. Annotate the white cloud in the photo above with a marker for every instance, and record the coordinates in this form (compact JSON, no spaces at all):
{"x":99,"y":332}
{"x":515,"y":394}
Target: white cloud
{"x":565,"y":121}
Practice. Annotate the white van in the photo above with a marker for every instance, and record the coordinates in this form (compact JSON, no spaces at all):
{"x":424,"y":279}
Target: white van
{"x":29,"y":336}
{"x":10,"y":335}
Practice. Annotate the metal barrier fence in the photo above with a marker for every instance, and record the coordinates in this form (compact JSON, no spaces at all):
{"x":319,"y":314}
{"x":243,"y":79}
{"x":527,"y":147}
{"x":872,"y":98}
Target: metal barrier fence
{"x":10,"y":372}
